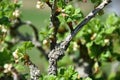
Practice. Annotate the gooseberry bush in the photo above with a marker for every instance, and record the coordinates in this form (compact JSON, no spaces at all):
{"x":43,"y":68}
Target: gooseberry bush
{"x":88,"y":42}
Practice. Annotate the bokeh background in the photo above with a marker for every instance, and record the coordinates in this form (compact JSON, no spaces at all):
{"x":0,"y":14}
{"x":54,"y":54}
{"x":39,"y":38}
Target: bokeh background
{"x":40,"y":18}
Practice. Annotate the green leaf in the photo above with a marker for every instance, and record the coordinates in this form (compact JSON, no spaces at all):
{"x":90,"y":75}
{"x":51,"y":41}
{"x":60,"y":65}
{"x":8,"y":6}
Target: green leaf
{"x":28,"y":45}
{"x":88,"y":78}
{"x":61,"y":3}
{"x":49,"y":77}
{"x":62,"y":71}
{"x":112,"y":20}
{"x":69,"y":20}
{"x":25,"y":45}
{"x":75,"y":76}
{"x":77,"y":14}
{"x":50,"y":31}
{"x":69,"y":10}
{"x":110,"y":30}
{"x":20,"y":67}
{"x":77,"y":11}
{"x":99,"y":39}
{"x":94,"y":50}
{"x":89,"y":44}
{"x":5,"y":57}
{"x":105,"y":56}
{"x":4,"y":20}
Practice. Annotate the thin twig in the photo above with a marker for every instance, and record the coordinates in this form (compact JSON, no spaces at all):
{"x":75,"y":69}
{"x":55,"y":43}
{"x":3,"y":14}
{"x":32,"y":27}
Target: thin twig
{"x":15,"y":74}
{"x":18,"y":23}
{"x":48,"y":3}
{"x":33,"y":27}
{"x":58,"y":51}
{"x":85,"y":21}
{"x":14,"y":31}
{"x":36,"y":40}
{"x":55,"y":23}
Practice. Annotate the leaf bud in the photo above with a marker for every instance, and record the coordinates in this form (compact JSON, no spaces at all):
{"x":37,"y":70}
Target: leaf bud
{"x":93,"y":36}
{"x":7,"y":68}
{"x":39,"y":5}
{"x":45,"y":42}
{"x":107,"y":41}
{"x":16,"y":13}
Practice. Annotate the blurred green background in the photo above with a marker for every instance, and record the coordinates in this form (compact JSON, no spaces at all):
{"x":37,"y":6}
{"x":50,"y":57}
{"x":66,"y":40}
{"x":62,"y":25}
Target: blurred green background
{"x":40,"y":18}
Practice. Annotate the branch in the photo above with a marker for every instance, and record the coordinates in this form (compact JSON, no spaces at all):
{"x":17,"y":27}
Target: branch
{"x":84,"y":22}
{"x":48,"y":3}
{"x":9,"y":68}
{"x":36,"y":40}
{"x":58,"y":51}
{"x":55,"y":23}
{"x":18,"y":23}
{"x":13,"y":31}
{"x":34,"y":71}
{"x":33,"y":27}
{"x":15,"y":74}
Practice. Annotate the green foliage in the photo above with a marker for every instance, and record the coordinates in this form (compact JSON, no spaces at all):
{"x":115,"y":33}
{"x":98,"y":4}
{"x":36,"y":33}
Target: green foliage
{"x":63,"y":74}
{"x":5,"y":57}
{"x":6,"y":11}
{"x":61,"y":3}
{"x":87,"y":78}
{"x":67,"y":73}
{"x":25,"y":46}
{"x":94,"y":1}
{"x":96,"y":39}
{"x":71,"y":14}
{"x":20,"y":54}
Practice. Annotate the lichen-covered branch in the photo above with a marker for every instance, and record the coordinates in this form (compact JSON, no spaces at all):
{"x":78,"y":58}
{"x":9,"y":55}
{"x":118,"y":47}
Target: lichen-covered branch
{"x":54,"y":55}
{"x":34,"y":72}
{"x":59,"y":50}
